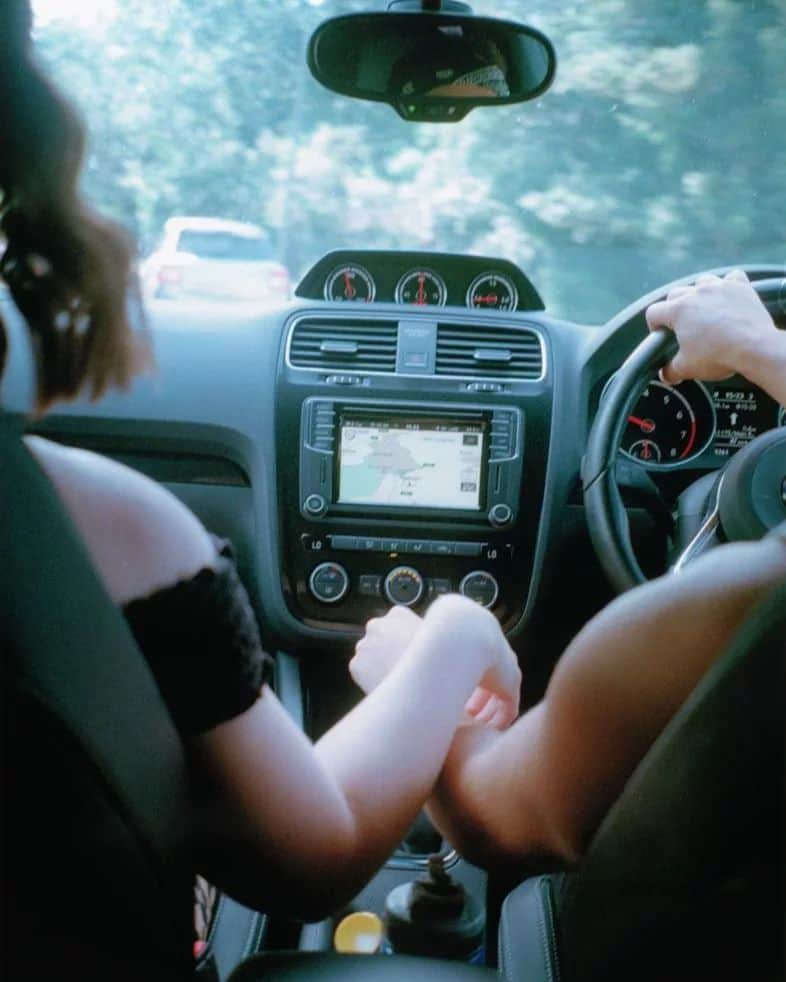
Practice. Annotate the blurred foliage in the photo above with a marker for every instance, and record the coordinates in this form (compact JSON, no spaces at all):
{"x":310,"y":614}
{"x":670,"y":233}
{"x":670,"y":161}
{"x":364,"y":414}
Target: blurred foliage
{"x":660,"y":150}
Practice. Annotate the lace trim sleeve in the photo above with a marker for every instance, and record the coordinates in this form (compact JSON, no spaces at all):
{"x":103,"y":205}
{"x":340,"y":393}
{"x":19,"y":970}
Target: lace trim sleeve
{"x":201,"y":640}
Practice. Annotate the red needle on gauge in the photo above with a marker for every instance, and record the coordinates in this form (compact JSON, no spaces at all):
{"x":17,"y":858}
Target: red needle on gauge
{"x":349,"y":289}
{"x":645,"y":425}
{"x":490,"y":299}
{"x":420,"y":296}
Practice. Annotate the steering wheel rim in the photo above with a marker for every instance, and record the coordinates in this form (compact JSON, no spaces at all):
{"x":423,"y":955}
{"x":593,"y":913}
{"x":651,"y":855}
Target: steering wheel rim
{"x":606,"y":516}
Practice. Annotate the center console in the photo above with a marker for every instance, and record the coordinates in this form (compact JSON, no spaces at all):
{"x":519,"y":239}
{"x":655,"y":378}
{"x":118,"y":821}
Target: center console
{"x":394,"y":491}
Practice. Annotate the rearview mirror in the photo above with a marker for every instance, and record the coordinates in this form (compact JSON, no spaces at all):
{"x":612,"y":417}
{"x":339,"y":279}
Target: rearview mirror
{"x":431,"y":67}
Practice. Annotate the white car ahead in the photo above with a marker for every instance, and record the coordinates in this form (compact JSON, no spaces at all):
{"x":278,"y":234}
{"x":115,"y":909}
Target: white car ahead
{"x":214,"y":258}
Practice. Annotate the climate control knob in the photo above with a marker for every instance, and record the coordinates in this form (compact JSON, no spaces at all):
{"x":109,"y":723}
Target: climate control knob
{"x":481,"y":587}
{"x":404,"y":586}
{"x":328,"y":582}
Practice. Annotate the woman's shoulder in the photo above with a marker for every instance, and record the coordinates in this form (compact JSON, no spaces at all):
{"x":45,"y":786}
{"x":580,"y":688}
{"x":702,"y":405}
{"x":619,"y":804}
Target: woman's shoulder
{"x":140,"y":537}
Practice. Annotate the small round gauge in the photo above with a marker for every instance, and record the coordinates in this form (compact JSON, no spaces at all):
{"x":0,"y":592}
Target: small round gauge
{"x":669,"y":425}
{"x":423,"y":288}
{"x":350,"y":284}
{"x":492,"y":291}
{"x":781,"y":416}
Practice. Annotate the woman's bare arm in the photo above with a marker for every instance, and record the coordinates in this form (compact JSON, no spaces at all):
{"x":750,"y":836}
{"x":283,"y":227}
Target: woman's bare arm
{"x":544,"y":785}
{"x":279,"y":822}
{"x":302,"y":827}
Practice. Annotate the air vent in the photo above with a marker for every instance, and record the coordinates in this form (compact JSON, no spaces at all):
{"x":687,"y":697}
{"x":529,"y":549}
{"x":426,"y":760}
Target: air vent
{"x":488,"y":352}
{"x":333,"y":343}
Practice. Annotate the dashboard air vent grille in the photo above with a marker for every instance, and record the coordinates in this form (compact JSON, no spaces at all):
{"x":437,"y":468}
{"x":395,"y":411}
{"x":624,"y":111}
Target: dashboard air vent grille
{"x":333,"y":343}
{"x":488,"y":352}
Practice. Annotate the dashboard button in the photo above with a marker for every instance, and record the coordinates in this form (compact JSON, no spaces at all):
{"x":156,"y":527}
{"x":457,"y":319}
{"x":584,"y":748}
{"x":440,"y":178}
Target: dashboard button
{"x":436,"y":587}
{"x":500,"y":514}
{"x":343,"y":380}
{"x":417,"y":547}
{"x":328,"y":582}
{"x":370,"y":585}
{"x":369,"y":545}
{"x":467,"y":548}
{"x":481,"y":587}
{"x":484,"y":387}
{"x":404,"y":586}
{"x":441,"y":548}
{"x":344,"y":542}
{"x":312,"y":543}
{"x":315,"y":505}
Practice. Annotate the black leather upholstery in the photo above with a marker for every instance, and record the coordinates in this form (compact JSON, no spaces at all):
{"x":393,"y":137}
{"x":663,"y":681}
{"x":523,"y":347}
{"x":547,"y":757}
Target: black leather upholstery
{"x":527,"y":933}
{"x":684,"y":879}
{"x":283,"y":966}
{"x":96,"y":877}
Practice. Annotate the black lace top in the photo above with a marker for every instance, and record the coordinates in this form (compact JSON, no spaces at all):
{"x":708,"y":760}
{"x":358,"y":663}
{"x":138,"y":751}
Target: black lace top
{"x":201,"y":640}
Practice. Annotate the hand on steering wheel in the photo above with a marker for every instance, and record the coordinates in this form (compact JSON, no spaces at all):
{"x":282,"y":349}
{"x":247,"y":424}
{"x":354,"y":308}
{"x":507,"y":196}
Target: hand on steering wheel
{"x":750,"y":496}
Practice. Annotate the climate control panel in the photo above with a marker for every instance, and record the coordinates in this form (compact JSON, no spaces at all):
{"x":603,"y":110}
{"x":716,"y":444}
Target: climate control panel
{"x":402,"y":585}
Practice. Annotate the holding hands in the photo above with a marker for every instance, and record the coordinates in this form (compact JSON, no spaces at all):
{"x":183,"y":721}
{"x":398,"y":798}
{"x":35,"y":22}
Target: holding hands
{"x":453,"y":629}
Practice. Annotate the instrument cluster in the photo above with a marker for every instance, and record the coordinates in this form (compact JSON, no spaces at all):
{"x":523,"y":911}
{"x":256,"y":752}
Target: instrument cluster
{"x":419,"y":280}
{"x":697,"y":422}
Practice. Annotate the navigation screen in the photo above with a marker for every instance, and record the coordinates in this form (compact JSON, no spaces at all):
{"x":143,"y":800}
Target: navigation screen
{"x":411,"y":463}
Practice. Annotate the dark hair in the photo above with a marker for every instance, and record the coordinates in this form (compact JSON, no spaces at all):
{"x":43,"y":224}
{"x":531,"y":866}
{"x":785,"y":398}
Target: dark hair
{"x":70,"y":271}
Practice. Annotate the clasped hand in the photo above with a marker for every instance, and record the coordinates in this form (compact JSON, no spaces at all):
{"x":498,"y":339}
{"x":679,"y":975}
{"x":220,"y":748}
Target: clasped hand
{"x":453,"y":627}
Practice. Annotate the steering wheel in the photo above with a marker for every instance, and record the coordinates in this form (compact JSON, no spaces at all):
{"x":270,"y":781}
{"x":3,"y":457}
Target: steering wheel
{"x":745,"y":500}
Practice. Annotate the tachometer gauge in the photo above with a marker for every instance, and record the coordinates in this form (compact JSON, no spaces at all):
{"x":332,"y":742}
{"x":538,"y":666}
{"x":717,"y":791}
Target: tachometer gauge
{"x":492,"y":291}
{"x":350,"y":284}
{"x":423,"y":288}
{"x":669,"y":425}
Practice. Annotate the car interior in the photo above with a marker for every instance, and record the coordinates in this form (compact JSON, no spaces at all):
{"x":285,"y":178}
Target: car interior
{"x":411,"y":423}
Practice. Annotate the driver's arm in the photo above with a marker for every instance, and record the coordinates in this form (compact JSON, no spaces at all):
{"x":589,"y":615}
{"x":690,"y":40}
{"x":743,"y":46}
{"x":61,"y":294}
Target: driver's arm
{"x":543,"y":785}
{"x":722,"y":327}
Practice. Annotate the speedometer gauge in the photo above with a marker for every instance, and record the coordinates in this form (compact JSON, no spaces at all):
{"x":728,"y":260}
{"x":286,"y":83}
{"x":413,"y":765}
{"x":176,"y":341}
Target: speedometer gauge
{"x":669,"y":425}
{"x":492,"y":291}
{"x":350,"y":284}
{"x":423,"y":288}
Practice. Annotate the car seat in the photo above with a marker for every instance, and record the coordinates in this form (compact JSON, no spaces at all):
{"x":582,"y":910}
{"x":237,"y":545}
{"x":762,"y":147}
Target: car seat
{"x":683,"y":880}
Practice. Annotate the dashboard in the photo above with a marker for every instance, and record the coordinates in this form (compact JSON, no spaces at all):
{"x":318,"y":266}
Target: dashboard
{"x":364,"y":454}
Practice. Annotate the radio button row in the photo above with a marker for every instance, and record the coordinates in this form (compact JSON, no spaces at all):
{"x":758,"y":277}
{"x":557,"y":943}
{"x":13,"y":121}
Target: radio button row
{"x":414,"y":547}
{"x":328,"y":582}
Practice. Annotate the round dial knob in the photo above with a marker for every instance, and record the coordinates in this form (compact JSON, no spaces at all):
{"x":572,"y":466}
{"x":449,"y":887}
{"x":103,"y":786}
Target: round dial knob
{"x":328,"y":582}
{"x":404,"y":586}
{"x":500,"y":515}
{"x":481,"y":587}
{"x":315,"y":504}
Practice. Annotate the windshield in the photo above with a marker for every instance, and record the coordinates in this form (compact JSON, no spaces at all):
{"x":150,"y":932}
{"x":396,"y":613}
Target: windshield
{"x":659,"y":150}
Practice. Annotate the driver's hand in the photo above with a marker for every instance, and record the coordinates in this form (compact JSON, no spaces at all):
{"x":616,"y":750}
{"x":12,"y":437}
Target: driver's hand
{"x":717,"y":321}
{"x":452,"y":621}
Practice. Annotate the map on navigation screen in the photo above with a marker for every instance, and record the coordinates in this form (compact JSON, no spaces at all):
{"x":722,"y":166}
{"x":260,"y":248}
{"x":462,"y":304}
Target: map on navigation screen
{"x":411,"y":463}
